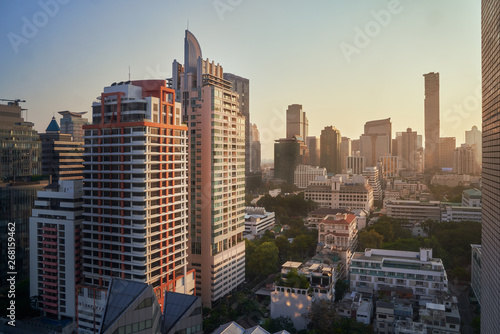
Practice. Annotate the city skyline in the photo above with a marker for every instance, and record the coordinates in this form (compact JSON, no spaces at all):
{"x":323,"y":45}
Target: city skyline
{"x":63,"y":61}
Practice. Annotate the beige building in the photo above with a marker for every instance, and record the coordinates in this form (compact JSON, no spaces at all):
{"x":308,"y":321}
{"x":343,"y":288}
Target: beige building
{"x":304,"y":174}
{"x":296,"y":122}
{"x":376,"y":141}
{"x":216,"y":172}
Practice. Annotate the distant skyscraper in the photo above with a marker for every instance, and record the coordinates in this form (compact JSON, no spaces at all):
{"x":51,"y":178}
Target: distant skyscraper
{"x":288,"y":154}
{"x":135,"y":192}
{"x":330,"y":150}
{"x":296,"y":122}
{"x":354,"y":146}
{"x":464,"y":160}
{"x":314,"y":147}
{"x":72,"y":123}
{"x":20,"y":146}
{"x":406,"y":143}
{"x":216,"y":173}
{"x":345,"y":151}
{"x":62,"y":158}
{"x":255,"y":149}
{"x":474,"y":139}
{"x":431,"y":109}
{"x":490,"y":252}
{"x":376,"y":141}
{"x":242,"y":87}
{"x":447,"y":146}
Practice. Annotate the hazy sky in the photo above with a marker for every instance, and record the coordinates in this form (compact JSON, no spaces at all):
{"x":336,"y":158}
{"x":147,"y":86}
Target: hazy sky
{"x":345,"y":61}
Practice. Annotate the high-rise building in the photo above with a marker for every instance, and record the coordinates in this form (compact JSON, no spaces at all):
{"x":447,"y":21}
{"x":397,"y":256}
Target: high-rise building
{"x":474,"y":139}
{"x":135,"y":191}
{"x":431,"y":112}
{"x":17,"y":199}
{"x":354,"y":146}
{"x":490,"y":254}
{"x":288,"y":154}
{"x":345,"y":151}
{"x":447,"y":146}
{"x":20,"y":147}
{"x":296,"y":122}
{"x":306,"y":173}
{"x":72,"y":123}
{"x":62,"y":158}
{"x":406,"y":143}
{"x":330,"y":150}
{"x":55,"y":247}
{"x":464,"y":160}
{"x":216,"y":173}
{"x":255,"y":149}
{"x":242,"y":87}
{"x":376,"y":141}
{"x":314,"y":146}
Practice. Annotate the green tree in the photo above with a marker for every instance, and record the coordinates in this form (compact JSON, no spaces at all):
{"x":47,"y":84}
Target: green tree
{"x":263,"y":261}
{"x":322,"y":316}
{"x":273,"y":325}
{"x":369,"y":239}
{"x":341,"y":287}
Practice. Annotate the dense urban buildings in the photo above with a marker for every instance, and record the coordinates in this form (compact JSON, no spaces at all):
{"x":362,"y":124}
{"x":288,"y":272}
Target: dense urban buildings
{"x":330,"y":150}
{"x":296,"y":122}
{"x":135,"y":198}
{"x":355,"y":164}
{"x":62,"y":157}
{"x":431,"y":115}
{"x":72,"y":123}
{"x":55,"y":247}
{"x":490,"y":255}
{"x":465,"y":160}
{"x":216,"y":173}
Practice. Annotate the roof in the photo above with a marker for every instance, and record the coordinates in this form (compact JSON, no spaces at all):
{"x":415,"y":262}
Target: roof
{"x":328,"y":211}
{"x":385,"y":305}
{"x":350,"y":217}
{"x":72,"y":113}
{"x":473,"y":193}
{"x":176,"y":306}
{"x":229,"y":328}
{"x":53,"y":126}
{"x":122,"y":293}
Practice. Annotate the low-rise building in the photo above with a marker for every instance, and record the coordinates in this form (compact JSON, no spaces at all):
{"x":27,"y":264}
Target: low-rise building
{"x":304,"y":174}
{"x":341,"y":191}
{"x":453,"y":180}
{"x":472,"y":198}
{"x":418,"y":272}
{"x":442,"y":317}
{"x":356,"y":307}
{"x":414,"y":211}
{"x":295,"y":302}
{"x":456,"y":212}
{"x":258,"y":220}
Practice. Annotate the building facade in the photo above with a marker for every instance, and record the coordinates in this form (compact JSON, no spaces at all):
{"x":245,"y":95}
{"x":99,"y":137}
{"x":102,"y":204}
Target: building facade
{"x":304,"y":174}
{"x":72,"y":123}
{"x":135,"y":191}
{"x":418,"y":272}
{"x":296,"y":122}
{"x":216,"y":173}
{"x":288,"y":154}
{"x":447,"y":146}
{"x":258,"y":220}
{"x":355,"y":165}
{"x":55,"y":247}
{"x":465,"y":160}
{"x":376,"y":141}
{"x":407,"y":147}
{"x":345,"y":151}
{"x":255,"y":149}
{"x":314,"y":147}
{"x":330,"y":150}
{"x":62,"y":157}
{"x":431,"y":117}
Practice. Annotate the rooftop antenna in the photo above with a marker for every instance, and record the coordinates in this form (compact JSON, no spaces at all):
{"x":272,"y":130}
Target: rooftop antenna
{"x":188,"y":24}
{"x":128,"y":72}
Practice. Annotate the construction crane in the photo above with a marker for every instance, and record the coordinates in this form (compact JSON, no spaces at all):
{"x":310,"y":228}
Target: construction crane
{"x":16,"y":102}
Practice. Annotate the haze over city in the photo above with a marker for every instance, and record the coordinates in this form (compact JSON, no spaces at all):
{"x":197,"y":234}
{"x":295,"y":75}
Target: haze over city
{"x":345,"y":62}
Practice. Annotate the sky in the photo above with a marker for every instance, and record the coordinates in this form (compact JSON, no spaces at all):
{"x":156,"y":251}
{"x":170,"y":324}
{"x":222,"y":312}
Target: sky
{"x":345,"y":62}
